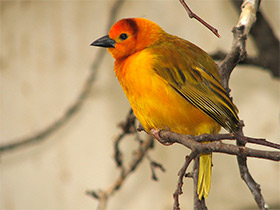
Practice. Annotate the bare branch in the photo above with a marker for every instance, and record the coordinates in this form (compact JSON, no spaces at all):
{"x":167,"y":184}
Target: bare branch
{"x":74,"y":108}
{"x":249,"y":60}
{"x":128,"y":127}
{"x":238,"y":53}
{"x":154,"y":165}
{"x":240,"y":33}
{"x":250,"y":182}
{"x":193,"y":15}
{"x":197,"y":204}
{"x":69,"y":113}
{"x":104,"y":195}
{"x":234,"y":136}
{"x":267,"y":43}
{"x":215,"y":146}
{"x":181,"y":175}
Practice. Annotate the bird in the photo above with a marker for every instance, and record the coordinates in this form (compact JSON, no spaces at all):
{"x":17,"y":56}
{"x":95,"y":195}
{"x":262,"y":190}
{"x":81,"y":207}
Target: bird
{"x":171,"y":84}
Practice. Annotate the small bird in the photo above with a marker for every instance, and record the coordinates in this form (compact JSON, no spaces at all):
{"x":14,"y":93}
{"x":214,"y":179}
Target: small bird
{"x":171,"y":84}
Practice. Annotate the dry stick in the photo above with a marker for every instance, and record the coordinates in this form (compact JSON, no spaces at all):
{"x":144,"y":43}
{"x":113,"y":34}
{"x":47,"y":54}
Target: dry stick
{"x":193,"y":143}
{"x":247,"y":18}
{"x":235,"y":136}
{"x":74,"y":108}
{"x":248,"y":179}
{"x":193,"y":15}
{"x":69,"y":113}
{"x":104,"y":195}
{"x":237,"y":151}
{"x":181,"y":175}
{"x":216,"y":145}
{"x":215,"y":31}
{"x":249,"y":60}
{"x":240,"y":33}
{"x":153,"y":164}
{"x":198,"y":204}
{"x":267,"y":43}
{"x":236,"y":54}
{"x":128,"y":127}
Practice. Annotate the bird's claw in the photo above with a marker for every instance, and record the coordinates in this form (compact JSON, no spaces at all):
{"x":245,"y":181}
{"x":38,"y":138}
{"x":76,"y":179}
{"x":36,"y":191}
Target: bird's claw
{"x":156,"y":134}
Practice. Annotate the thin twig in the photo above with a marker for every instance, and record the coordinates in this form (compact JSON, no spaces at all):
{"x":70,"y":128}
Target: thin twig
{"x":74,"y":108}
{"x":155,"y":165}
{"x":193,"y":142}
{"x":195,"y":16}
{"x":181,"y":175}
{"x":249,"y":60}
{"x":235,"y":136}
{"x":198,"y":204}
{"x":215,"y":146}
{"x":65,"y":117}
{"x":238,"y":53}
{"x":267,"y":43}
{"x":248,"y":179}
{"x":104,"y":195}
{"x":128,"y":127}
{"x":240,"y":33}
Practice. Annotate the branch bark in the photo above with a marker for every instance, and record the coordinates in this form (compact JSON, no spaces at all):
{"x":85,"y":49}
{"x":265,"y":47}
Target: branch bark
{"x":74,"y":108}
{"x":194,"y":144}
{"x":104,"y":195}
{"x":195,"y":16}
{"x":181,"y":175}
{"x":238,"y":52}
{"x":267,"y":43}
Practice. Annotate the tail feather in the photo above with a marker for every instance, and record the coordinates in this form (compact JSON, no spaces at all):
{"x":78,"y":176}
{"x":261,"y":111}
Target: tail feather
{"x":204,"y":175}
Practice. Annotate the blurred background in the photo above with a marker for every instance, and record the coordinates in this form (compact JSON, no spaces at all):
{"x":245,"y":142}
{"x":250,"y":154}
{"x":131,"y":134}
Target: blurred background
{"x":45,"y":60}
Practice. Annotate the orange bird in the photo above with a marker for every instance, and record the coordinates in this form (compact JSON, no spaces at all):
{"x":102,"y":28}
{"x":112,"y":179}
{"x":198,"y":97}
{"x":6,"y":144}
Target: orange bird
{"x":171,"y":84}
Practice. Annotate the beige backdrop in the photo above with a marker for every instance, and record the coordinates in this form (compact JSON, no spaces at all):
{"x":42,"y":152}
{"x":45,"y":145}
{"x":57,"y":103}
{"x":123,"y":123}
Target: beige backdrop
{"x":45,"y":59}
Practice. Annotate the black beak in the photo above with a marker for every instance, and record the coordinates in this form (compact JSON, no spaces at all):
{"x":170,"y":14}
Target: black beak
{"x":104,"y":41}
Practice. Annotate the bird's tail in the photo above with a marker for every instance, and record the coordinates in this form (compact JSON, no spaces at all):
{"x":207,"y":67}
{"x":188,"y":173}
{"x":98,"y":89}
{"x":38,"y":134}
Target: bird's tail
{"x":204,"y":175}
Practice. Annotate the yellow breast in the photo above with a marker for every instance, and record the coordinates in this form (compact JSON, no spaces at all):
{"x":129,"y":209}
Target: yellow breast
{"x":155,"y":103}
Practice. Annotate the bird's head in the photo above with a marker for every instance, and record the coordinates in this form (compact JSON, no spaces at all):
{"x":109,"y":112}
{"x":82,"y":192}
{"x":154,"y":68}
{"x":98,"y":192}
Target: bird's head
{"x":130,"y":35}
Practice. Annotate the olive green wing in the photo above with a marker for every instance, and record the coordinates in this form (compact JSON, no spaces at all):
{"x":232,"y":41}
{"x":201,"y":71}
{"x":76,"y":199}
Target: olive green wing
{"x":194,"y":75}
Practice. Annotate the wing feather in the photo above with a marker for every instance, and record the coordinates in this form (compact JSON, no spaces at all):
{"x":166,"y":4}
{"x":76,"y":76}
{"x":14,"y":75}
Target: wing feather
{"x":195,"y":77}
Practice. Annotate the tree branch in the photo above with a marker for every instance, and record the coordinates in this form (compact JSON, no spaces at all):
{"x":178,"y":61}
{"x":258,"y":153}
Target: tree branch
{"x":181,"y":175}
{"x":74,"y":108}
{"x":193,"y":143}
{"x":195,"y":16}
{"x":237,"y":54}
{"x":240,"y":33}
{"x":104,"y":195}
{"x":128,"y":128}
{"x":197,"y":204}
{"x":267,"y":43}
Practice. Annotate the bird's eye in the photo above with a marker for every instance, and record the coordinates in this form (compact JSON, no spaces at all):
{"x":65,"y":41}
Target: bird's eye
{"x":123,"y":36}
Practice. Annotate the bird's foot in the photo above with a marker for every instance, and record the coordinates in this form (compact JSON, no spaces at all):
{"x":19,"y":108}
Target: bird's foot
{"x":156,"y":134}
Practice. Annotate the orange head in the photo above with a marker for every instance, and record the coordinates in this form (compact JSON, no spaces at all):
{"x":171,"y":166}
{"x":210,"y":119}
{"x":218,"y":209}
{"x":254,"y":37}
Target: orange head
{"x":130,"y":35}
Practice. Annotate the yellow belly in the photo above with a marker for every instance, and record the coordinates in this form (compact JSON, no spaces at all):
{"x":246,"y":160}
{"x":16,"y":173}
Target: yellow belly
{"x":155,"y":103}
{"x":158,"y":106}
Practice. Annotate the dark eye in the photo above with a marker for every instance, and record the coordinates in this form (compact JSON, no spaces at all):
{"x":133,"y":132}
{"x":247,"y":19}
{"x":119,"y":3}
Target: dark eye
{"x":123,"y":36}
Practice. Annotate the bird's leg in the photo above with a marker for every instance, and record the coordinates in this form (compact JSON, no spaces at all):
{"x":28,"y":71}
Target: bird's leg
{"x":156,"y":134}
